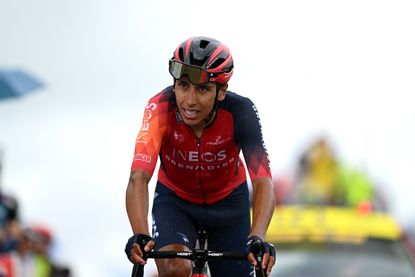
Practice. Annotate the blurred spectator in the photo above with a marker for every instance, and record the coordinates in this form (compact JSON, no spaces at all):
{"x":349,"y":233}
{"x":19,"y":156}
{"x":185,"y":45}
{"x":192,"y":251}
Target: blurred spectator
{"x":12,"y":262}
{"x":31,"y":257}
{"x":321,"y":179}
{"x":9,"y":225}
{"x":317,"y":174}
{"x":41,"y":239}
{"x":24,"y":252}
{"x":354,"y":187}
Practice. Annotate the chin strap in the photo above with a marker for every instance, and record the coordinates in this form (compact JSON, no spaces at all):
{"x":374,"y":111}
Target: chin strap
{"x":212,"y":114}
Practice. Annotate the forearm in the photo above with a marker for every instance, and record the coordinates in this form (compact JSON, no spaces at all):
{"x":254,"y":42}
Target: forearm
{"x":137,"y":201}
{"x":263,"y":204}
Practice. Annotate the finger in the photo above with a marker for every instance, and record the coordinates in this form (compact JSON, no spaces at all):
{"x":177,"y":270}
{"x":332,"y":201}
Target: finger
{"x":265,"y":259}
{"x":150,"y":245}
{"x":271,"y":263}
{"x":137,"y":254}
{"x":136,"y":248}
{"x":136,"y":259}
{"x":252,"y":260}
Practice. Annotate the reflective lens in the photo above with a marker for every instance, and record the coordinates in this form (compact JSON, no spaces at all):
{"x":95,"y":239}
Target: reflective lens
{"x":195,"y":74}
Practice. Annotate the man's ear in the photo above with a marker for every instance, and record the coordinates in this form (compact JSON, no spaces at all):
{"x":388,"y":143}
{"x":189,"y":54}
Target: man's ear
{"x":222,"y":92}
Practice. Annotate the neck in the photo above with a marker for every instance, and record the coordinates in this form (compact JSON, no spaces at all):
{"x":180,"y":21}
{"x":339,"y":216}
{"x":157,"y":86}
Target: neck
{"x":198,"y":131}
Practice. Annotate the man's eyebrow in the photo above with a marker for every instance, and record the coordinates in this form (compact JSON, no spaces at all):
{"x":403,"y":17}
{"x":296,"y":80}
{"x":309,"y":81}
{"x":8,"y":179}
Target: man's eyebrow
{"x":183,"y":81}
{"x":206,"y":85}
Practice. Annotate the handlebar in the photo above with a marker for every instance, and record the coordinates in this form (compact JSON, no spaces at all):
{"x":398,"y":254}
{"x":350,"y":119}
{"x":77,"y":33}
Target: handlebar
{"x":192,"y":255}
{"x":197,"y":255}
{"x":200,"y":256}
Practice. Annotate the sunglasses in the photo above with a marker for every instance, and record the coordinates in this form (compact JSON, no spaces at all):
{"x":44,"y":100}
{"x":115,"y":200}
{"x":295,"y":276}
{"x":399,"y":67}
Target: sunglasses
{"x":195,"y":74}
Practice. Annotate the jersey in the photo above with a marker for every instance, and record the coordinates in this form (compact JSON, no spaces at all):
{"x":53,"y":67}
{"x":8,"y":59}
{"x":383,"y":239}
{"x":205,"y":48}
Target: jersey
{"x":201,"y":170}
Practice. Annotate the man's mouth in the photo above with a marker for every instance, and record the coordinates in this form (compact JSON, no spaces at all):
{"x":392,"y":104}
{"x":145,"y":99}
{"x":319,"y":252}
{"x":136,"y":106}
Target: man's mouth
{"x":190,"y":114}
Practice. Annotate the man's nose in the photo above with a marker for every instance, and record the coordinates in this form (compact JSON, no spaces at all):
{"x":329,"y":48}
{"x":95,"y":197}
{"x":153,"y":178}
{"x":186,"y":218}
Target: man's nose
{"x":191,"y":97}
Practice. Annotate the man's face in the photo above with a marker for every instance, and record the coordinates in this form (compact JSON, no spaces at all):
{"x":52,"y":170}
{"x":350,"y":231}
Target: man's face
{"x":195,"y":102}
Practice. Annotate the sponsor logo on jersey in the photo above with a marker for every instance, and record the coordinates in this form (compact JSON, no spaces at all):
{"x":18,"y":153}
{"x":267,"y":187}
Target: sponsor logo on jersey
{"x":194,"y":156}
{"x":218,"y":140}
{"x":178,"y":136}
{"x":142,"y":157}
{"x":260,"y":127}
{"x":192,"y":160}
{"x":148,"y":115}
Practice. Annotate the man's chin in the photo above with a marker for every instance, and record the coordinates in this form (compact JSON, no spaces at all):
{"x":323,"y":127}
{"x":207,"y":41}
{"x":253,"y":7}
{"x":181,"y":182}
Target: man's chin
{"x":192,"y":122}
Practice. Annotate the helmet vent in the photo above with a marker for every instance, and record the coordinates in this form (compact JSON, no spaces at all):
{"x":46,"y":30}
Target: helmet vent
{"x":217,"y":63}
{"x":204,"y":43}
{"x":181,"y":54}
{"x":197,"y":62}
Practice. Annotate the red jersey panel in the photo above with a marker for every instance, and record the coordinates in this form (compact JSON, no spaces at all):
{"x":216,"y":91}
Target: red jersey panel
{"x":201,"y":170}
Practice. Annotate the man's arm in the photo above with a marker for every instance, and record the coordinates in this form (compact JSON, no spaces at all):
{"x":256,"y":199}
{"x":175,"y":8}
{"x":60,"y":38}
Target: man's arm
{"x":137,"y":209}
{"x":137,"y":201}
{"x":263,"y":204}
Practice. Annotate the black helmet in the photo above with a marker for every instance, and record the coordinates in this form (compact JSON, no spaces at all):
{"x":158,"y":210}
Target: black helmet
{"x":209,"y":60}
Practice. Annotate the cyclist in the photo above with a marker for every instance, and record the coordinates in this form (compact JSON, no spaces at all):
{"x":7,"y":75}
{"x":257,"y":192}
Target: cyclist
{"x":198,"y":129}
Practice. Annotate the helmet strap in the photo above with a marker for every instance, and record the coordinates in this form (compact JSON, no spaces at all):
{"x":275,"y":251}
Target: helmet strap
{"x":212,"y":114}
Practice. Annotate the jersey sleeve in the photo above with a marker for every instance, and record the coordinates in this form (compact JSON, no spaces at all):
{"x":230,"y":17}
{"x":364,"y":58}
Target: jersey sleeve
{"x":150,"y":136}
{"x":252,"y":141}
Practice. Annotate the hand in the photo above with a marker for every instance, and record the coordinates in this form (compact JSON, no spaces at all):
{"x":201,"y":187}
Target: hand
{"x":137,"y":248}
{"x":266,"y":251}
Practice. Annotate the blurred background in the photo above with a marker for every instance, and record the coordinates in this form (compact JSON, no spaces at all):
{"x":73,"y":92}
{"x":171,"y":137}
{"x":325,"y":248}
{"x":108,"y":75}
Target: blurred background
{"x":339,"y":70}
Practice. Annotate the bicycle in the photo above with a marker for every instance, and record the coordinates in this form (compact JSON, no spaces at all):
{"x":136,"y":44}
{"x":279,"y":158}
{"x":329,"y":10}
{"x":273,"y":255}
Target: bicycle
{"x":200,"y":256}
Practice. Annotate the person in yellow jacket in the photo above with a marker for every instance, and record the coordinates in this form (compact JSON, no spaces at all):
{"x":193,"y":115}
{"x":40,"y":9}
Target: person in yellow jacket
{"x":324,"y":180}
{"x":318,"y":174}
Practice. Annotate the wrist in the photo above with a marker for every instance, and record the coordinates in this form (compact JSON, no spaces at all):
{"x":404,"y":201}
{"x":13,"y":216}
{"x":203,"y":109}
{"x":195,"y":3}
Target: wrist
{"x":254,"y":234}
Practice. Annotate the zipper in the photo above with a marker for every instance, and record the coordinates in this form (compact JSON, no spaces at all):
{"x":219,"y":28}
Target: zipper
{"x":198,"y":144}
{"x":200,"y":170}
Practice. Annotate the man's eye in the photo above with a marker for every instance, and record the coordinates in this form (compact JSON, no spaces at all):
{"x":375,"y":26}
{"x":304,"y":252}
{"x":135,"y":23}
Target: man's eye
{"x":203,"y":88}
{"x":183,"y":84}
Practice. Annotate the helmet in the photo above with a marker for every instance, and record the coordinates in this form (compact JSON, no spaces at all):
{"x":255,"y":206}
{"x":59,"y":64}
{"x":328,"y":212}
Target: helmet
{"x":202,"y":59}
{"x":39,"y":233}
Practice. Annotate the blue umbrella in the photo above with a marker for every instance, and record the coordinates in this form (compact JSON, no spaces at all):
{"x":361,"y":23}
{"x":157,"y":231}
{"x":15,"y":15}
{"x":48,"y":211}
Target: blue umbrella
{"x":16,"y":83}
